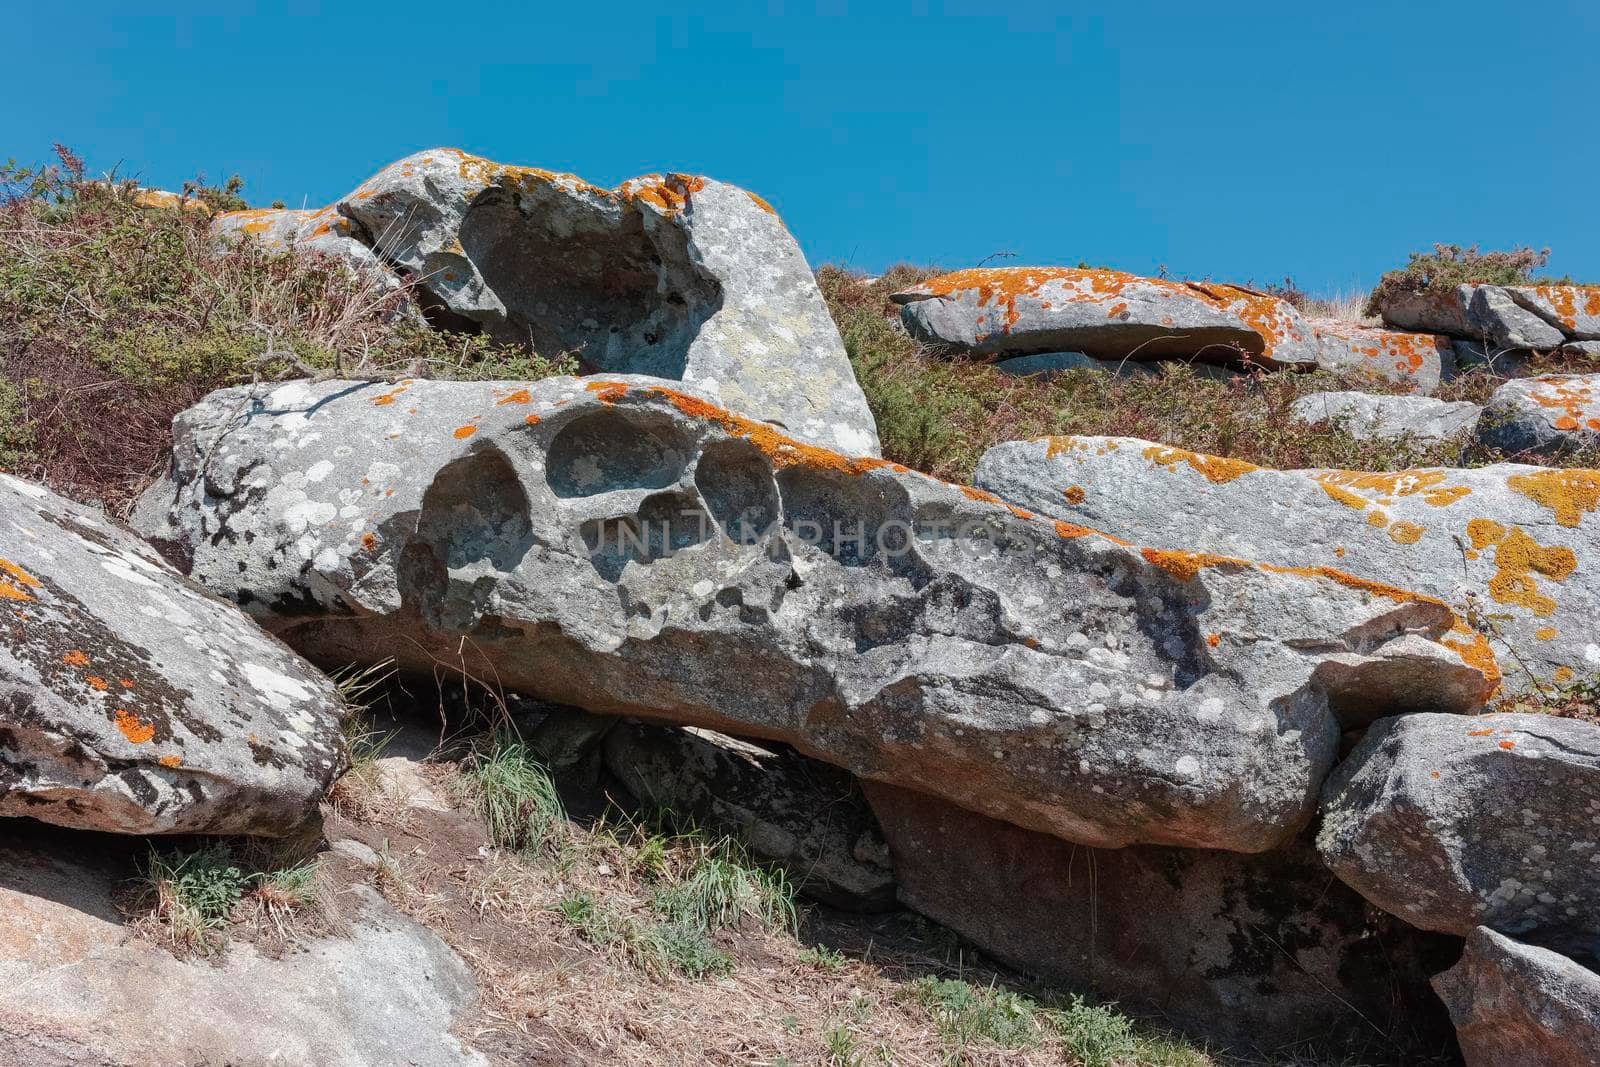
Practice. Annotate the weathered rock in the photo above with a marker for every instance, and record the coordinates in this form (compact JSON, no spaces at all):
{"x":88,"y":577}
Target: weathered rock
{"x":76,"y":989}
{"x":324,"y":231}
{"x":680,"y":277}
{"x":1453,"y":823}
{"x":631,"y":549}
{"x":1258,"y":952}
{"x":1105,"y":313}
{"x":1518,"y":540}
{"x":1537,"y":317}
{"x":1517,"y":1005}
{"x":1374,"y":415}
{"x":133,"y":701}
{"x":1419,"y":360}
{"x":1553,"y":414}
{"x":807,"y":817}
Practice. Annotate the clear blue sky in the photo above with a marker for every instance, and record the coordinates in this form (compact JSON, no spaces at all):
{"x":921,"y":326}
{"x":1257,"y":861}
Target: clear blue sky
{"x":1233,"y":140}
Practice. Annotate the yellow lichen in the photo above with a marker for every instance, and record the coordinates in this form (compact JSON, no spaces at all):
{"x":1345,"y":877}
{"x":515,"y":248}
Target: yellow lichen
{"x":1571,"y":494}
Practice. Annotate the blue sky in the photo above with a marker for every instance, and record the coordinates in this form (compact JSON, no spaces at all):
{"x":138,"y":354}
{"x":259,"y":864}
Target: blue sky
{"x":1236,"y":141}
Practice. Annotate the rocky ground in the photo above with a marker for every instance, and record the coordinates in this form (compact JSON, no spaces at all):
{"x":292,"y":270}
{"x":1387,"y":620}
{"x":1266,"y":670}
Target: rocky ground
{"x":1023,"y":665}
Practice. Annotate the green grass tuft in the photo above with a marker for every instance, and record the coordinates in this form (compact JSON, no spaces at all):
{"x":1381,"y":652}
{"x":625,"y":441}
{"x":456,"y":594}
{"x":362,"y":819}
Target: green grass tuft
{"x":515,"y":795}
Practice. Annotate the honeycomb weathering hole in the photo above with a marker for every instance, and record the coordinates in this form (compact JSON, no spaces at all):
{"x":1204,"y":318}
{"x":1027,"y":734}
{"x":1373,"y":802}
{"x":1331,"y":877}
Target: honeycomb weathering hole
{"x":844,"y":515}
{"x":589,"y":279}
{"x":735,"y":481}
{"x":476,"y":509}
{"x":605,"y":451}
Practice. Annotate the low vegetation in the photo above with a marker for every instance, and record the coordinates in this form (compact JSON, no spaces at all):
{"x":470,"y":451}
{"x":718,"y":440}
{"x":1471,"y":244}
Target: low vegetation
{"x":114,"y":317}
{"x":1448,"y":266}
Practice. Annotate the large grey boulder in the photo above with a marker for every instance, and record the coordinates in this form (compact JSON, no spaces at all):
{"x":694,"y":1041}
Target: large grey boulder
{"x":1105,"y":313}
{"x":1359,"y":414}
{"x":1257,"y":953}
{"x":133,"y":701}
{"x":805,"y":816}
{"x":1552,"y":414}
{"x":1453,"y":823}
{"x":1516,"y":541}
{"x":680,"y":277}
{"x":1417,"y":360}
{"x":629,"y":548}
{"x":1517,"y":1005}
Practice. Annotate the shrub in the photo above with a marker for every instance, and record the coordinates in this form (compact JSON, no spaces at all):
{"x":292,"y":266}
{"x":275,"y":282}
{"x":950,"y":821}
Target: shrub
{"x":190,"y":896}
{"x":1448,"y":266}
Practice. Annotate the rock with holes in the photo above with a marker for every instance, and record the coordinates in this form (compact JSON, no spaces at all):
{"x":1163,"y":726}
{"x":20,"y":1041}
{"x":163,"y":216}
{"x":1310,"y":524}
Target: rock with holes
{"x":680,"y":277}
{"x":1552,"y":414}
{"x":1105,"y":313}
{"x":1455,"y":822}
{"x":1517,"y":543}
{"x":1420,"y":418}
{"x":1256,"y":952}
{"x":135,"y":702}
{"x":1517,"y":1005}
{"x":630,"y":548}
{"x":805,"y":816}
{"x":1416,"y":360}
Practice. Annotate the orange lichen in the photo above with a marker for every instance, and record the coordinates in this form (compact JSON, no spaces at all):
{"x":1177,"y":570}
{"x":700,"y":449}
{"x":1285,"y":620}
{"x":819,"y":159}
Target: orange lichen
{"x":16,"y":582}
{"x":1338,"y":550}
{"x":1481,"y":733}
{"x":521,"y":396}
{"x":1545,"y":633}
{"x":1571,"y":494}
{"x":1018,"y":512}
{"x":96,"y":682}
{"x":126,"y":683}
{"x":369,"y":541}
{"x":464,"y":432}
{"x":760,"y":203}
{"x":972,"y":493}
{"x":172,"y":763}
{"x":1474,"y":650}
{"x":1215,"y":469}
{"x":609,"y":392}
{"x":1518,"y":558}
{"x":1074,"y":494}
{"x":1563,"y":675}
{"x":75,"y":658}
{"x":135,"y":729}
{"x":531,"y":420}
{"x":1378,"y":519}
{"x":1213,"y":640}
{"x":1406,"y":353}
{"x":1406,"y":533}
{"x":782,"y":451}
{"x":1508,"y":744}
{"x":1186,"y":565}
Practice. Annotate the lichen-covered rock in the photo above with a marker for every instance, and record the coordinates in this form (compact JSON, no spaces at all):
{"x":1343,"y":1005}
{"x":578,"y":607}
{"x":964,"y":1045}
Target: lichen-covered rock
{"x":1417,"y":360}
{"x":1257,"y":952}
{"x":1517,"y":1005}
{"x":1554,"y":413}
{"x":132,"y":701}
{"x":1539,"y":317}
{"x":1375,"y":415}
{"x":324,"y":231}
{"x":807,"y":817}
{"x":1105,"y":313}
{"x":680,"y":277}
{"x":1520,"y":541}
{"x":630,"y":548}
{"x":1455,"y":822}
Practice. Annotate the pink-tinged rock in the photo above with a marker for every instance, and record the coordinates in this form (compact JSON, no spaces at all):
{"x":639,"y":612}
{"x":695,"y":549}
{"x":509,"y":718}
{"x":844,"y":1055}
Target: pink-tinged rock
{"x":1104,"y":313}
{"x":1416,"y":359}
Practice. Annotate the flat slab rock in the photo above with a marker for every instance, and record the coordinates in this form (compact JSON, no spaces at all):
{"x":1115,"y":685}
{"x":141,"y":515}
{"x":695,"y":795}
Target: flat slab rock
{"x":1105,"y":313}
{"x":677,"y":276}
{"x":629,"y":548}
{"x":1417,"y":360}
{"x":133,"y":701}
{"x":1454,"y":823}
{"x":1539,"y":317}
{"x":1256,"y":952}
{"x":1376,"y":415}
{"x":1551,"y":414}
{"x":76,"y":989}
{"x":1520,"y":540}
{"x":1517,"y":1005}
